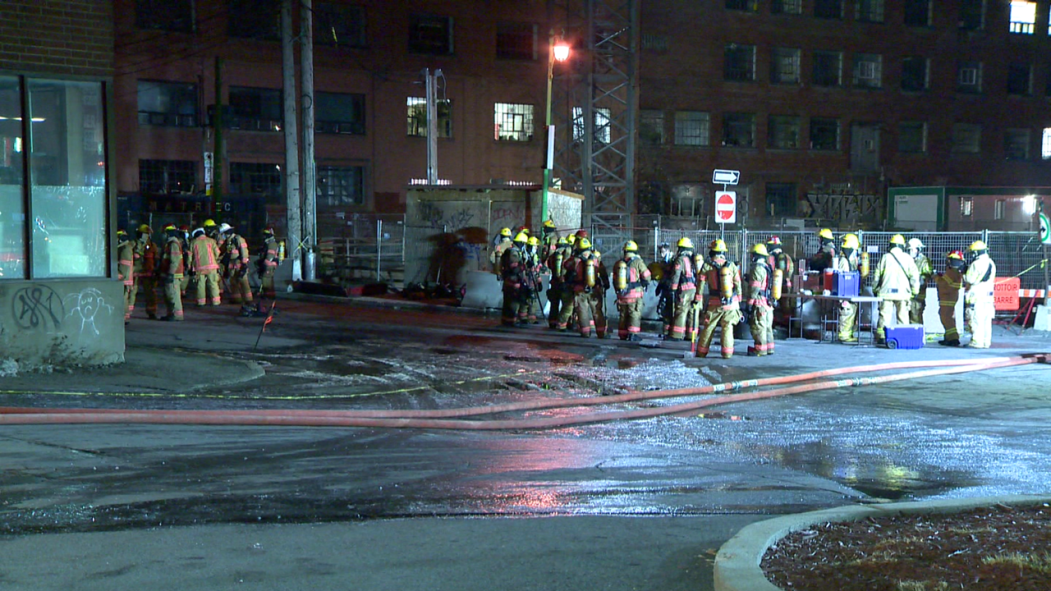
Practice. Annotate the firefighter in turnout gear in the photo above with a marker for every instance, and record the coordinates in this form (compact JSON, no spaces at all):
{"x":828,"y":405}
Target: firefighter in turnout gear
{"x":979,"y":307}
{"x":923,"y":265}
{"x":661,"y":270}
{"x":579,"y":278}
{"x":234,"y":259}
{"x":566,"y":311}
{"x":549,"y":238}
{"x":724,"y":299}
{"x":145,"y":275}
{"x":631,"y":278}
{"x":173,"y":268}
{"x":760,"y":310}
{"x":204,"y":260}
{"x":266,"y":266}
{"x":598,"y":295}
{"x":781,"y":263}
{"x":683,"y":283}
{"x":500,"y":245}
{"x":514,"y":271}
{"x":554,"y":264}
{"x":126,"y":270}
{"x":822,"y":259}
{"x":848,"y":259}
{"x":949,"y":284}
{"x":896,"y":280}
{"x":184,"y":241}
{"x":535,"y":281}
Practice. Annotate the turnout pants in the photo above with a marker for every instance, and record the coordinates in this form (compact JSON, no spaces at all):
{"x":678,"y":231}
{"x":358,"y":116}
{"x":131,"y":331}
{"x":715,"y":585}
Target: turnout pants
{"x":630,"y":318}
{"x":585,"y":312}
{"x":891,"y":313}
{"x":208,"y":285}
{"x":173,"y":296}
{"x":762,"y":326}
{"x":718,"y":318}
{"x":683,"y":305}
{"x":979,"y":317}
{"x":947,"y":314}
{"x":848,"y":317}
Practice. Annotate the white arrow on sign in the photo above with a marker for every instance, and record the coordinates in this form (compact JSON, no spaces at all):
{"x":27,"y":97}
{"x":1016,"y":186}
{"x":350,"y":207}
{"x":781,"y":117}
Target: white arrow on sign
{"x":726,"y":177}
{"x":1045,"y":231}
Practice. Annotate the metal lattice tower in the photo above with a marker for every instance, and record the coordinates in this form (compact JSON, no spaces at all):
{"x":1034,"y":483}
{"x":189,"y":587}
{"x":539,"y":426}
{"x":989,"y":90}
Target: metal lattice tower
{"x":594,"y":109}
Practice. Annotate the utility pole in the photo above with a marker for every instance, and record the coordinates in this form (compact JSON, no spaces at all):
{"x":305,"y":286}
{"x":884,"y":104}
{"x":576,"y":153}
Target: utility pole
{"x":292,"y":197}
{"x":217,"y":157}
{"x":432,"y":125}
{"x":306,"y":54}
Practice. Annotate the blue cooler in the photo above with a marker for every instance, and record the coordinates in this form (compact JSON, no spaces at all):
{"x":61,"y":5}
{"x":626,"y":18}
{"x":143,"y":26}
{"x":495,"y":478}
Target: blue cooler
{"x":905,"y":336}
{"x":846,"y":283}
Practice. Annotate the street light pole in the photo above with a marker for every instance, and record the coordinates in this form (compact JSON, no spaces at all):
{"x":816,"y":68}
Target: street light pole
{"x":559,"y":52}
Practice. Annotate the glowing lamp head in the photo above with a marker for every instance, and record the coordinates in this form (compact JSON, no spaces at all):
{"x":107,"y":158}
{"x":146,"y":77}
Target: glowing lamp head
{"x":561,"y":51}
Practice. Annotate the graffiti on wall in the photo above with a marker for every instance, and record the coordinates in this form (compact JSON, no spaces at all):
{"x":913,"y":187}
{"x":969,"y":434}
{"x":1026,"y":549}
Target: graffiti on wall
{"x":86,"y":306}
{"x":450,"y":216}
{"x":37,"y":307}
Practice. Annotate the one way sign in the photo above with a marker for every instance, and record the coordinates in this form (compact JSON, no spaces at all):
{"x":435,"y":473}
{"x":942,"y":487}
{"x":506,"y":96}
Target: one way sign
{"x":726,"y":177}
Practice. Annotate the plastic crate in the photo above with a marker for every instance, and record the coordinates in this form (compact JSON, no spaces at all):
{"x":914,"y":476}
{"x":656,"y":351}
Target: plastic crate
{"x":846,"y":283}
{"x":906,"y":336}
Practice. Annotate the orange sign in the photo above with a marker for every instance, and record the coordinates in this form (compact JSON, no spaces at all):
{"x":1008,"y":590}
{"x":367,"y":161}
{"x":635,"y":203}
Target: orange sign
{"x":1005,"y":293}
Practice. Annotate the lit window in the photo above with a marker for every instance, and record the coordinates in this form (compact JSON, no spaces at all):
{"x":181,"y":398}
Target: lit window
{"x":651,"y":127}
{"x":601,"y":123}
{"x":1045,"y":144}
{"x":1023,"y":17}
{"x":966,"y":206}
{"x":417,"y":117}
{"x":784,"y":67}
{"x":998,"y":209}
{"x":745,"y":5}
{"x":513,"y":123}
{"x":783,"y":132}
{"x":692,"y":128}
{"x":966,"y":138}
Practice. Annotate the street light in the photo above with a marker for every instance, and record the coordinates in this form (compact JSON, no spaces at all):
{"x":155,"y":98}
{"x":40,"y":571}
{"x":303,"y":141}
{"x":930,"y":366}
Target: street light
{"x":557,"y":51}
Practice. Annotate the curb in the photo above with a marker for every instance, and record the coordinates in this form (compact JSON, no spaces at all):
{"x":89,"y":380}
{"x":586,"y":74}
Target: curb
{"x":737,"y":563}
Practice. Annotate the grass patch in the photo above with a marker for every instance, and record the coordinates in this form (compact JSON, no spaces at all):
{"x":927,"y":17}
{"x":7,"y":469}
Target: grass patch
{"x":921,"y":586}
{"x":1040,"y":563}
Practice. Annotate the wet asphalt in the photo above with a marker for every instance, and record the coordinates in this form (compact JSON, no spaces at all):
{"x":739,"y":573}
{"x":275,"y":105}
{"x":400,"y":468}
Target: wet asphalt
{"x":621,"y":505}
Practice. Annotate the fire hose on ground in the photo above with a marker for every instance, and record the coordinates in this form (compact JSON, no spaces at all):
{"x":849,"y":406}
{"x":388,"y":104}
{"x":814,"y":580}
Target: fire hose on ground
{"x":438,"y":419}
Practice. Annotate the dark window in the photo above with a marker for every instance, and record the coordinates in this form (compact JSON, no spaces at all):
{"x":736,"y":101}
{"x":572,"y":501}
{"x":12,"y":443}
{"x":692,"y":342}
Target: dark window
{"x":783,"y":132}
{"x":164,"y":15}
{"x":516,"y":41}
{"x":969,"y":77}
{"x":1016,"y":144}
{"x":912,"y":137}
{"x":739,"y":130}
{"x":827,"y":68}
{"x":417,"y":117}
{"x":784,"y":66}
{"x":918,"y":13}
{"x":868,"y":70}
{"x":745,"y":5}
{"x":255,"y":109}
{"x":828,"y":8}
{"x":972,"y":14}
{"x":914,"y":73}
{"x":430,"y":34}
{"x":824,"y":134}
{"x":781,"y":199}
{"x":339,"y":25}
{"x":691,"y":128}
{"x":786,"y":6}
{"x":966,"y":138}
{"x":339,"y":113}
{"x":1019,"y":79}
{"x":739,"y":62}
{"x":870,"y":11}
{"x":254,"y":19}
{"x":169,"y":104}
{"x":651,"y":127}
{"x":257,"y":179}
{"x":340,"y":185}
{"x":167,"y":176}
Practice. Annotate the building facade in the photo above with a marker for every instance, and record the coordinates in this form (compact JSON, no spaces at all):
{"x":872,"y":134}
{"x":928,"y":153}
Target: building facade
{"x":60,"y":301}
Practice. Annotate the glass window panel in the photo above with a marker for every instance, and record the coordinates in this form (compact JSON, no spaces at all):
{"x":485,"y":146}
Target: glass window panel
{"x":339,"y":113}
{"x":783,"y":132}
{"x":340,"y":185}
{"x":651,"y":126}
{"x":417,"y":116}
{"x":12,"y":210}
{"x":68,"y":187}
{"x":827,"y":68}
{"x":912,"y":137}
{"x":691,"y":128}
{"x":914,"y":73}
{"x":339,"y":26}
{"x":1016,"y":144}
{"x":171,"y":104}
{"x":513,"y":122}
{"x":255,"y":109}
{"x":786,"y":6}
{"x":824,"y":134}
{"x":784,"y":66}
{"x":966,"y":138}
{"x":1023,"y":17}
{"x":739,"y":130}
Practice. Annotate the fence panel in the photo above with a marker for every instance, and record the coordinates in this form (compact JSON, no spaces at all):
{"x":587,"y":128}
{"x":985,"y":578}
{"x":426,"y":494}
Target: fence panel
{"x":1017,"y":253}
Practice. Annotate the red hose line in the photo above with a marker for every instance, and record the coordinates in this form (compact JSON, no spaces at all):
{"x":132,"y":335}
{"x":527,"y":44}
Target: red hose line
{"x":185,"y":417}
{"x":546,"y":403}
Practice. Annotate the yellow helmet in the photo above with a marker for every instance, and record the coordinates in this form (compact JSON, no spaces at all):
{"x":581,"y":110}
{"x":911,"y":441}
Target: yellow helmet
{"x":685,"y":242}
{"x":122,"y":234}
{"x":521,"y":237}
{"x":549,"y":224}
{"x":760,"y":249}
{"x":571,"y":239}
{"x":563,"y":240}
{"x":826,"y":234}
{"x":631,"y":246}
{"x":978,"y":245}
{"x":209,"y":223}
{"x":851,"y":241}
{"x":145,"y":229}
{"x":171,"y":228}
{"x":897,"y":239}
{"x":720,"y":246}
{"x":583,"y":244}
{"x":505,"y":232}
{"x":533,"y":241}
{"x":955,"y":255}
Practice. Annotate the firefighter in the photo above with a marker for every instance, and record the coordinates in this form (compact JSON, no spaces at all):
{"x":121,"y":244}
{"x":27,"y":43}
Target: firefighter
{"x":172,"y":269}
{"x":549,"y":238}
{"x":567,"y":305}
{"x":822,"y":259}
{"x":760,"y":309}
{"x":535,"y":281}
{"x":126,"y":271}
{"x":234,"y":258}
{"x":848,"y":260}
{"x":500,"y":244}
{"x":579,"y":277}
{"x":724,"y":299}
{"x":513,"y":270}
{"x":184,"y":240}
{"x":782,"y":261}
{"x":896,"y":280}
{"x":683,"y":283}
{"x":661,"y":270}
{"x":598,"y":295}
{"x":554,"y":264}
{"x":949,"y":284}
{"x":266,"y":265}
{"x":146,"y":262}
{"x":631,"y":278}
{"x":923,"y":265}
{"x":979,"y":307}
{"x":204,"y":260}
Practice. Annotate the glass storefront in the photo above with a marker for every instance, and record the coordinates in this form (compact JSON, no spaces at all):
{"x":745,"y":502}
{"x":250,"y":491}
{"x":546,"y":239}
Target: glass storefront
{"x":12,"y":212}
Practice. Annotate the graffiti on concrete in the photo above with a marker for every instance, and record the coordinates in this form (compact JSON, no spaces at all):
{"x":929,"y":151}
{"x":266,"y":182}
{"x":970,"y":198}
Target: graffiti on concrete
{"x":438,"y":218}
{"x":510,"y":216}
{"x":38,"y":307}
{"x":87,"y":305}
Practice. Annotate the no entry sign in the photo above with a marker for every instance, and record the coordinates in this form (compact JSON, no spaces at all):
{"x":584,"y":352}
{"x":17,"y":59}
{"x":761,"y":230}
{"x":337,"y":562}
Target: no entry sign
{"x":726,"y":207}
